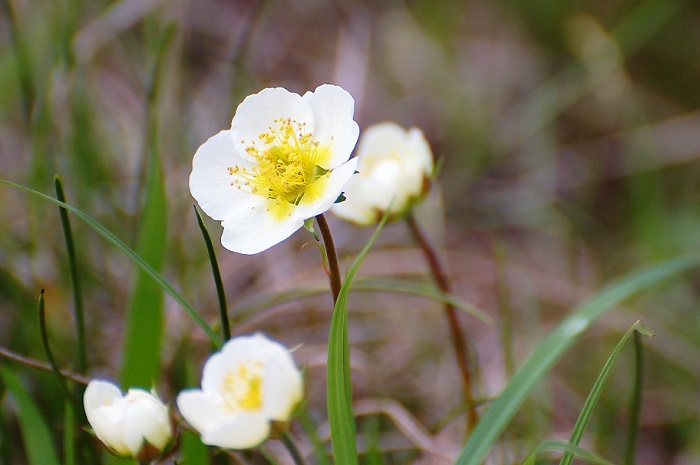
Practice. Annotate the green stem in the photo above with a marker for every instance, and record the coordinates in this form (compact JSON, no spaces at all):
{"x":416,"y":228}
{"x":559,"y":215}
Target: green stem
{"x":332,"y":255}
{"x":33,"y":363}
{"x":223,"y":309}
{"x":636,"y":399}
{"x":293,"y":448}
{"x":458,"y":343}
{"x":73,"y":269}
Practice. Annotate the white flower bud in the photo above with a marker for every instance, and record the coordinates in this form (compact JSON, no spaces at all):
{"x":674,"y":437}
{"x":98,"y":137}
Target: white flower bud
{"x":133,"y":425}
{"x":394,"y":171}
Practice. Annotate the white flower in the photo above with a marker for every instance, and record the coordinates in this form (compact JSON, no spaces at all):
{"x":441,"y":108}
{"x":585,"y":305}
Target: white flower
{"x":133,"y":425}
{"x":249,"y":383}
{"x":395,"y":168}
{"x":284,"y":160}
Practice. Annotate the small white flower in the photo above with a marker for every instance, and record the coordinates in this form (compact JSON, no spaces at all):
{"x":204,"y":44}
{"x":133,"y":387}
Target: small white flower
{"x":133,"y":425}
{"x":251,"y":382}
{"x":284,"y":160}
{"x":395,"y":168}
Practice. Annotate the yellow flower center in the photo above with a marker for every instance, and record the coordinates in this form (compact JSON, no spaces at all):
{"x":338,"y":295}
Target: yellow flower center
{"x":286,"y":165}
{"x":242,"y":387}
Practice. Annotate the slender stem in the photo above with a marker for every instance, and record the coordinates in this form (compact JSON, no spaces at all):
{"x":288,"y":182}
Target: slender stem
{"x":47,"y":350}
{"x":332,"y":255}
{"x":293,"y":448}
{"x":73,"y":268}
{"x":458,"y":343}
{"x":223,"y":308}
{"x":33,"y":363}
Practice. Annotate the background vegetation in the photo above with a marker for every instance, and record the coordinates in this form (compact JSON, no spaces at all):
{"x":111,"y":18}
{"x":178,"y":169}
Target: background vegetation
{"x":568,"y":135}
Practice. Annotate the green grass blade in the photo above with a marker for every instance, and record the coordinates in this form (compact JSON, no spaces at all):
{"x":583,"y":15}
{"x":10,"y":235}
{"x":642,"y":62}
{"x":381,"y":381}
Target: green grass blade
{"x":583,"y":454}
{"x":35,"y":432}
{"x":428,"y":291}
{"x":339,"y":389}
{"x":550,"y":351}
{"x":221,"y":294}
{"x":596,"y":391}
{"x":636,"y":402}
{"x":75,"y":283}
{"x":145,"y":315}
{"x":133,"y":256}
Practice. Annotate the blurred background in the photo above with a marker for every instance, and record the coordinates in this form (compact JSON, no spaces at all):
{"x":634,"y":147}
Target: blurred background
{"x":568,"y":138}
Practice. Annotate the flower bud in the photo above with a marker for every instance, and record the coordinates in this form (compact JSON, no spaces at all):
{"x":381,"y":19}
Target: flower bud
{"x":133,"y":425}
{"x":395,"y":168}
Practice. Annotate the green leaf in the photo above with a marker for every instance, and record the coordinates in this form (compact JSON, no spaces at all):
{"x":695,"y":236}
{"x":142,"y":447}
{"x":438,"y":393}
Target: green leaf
{"x":133,"y":256}
{"x":428,"y":291}
{"x":339,"y":389}
{"x":35,"y":432}
{"x":567,"y":448}
{"x":551,"y":350}
{"x":596,"y":391}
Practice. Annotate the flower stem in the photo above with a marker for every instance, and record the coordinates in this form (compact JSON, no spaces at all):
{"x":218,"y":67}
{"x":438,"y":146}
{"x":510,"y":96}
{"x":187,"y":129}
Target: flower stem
{"x":332,"y":255}
{"x":293,"y":448}
{"x":458,"y":342}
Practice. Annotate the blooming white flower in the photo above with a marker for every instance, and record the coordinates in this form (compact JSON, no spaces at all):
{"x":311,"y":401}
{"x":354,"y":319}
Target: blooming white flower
{"x":284,"y":160}
{"x":395,"y":168}
{"x":251,"y":382}
{"x":133,"y":425}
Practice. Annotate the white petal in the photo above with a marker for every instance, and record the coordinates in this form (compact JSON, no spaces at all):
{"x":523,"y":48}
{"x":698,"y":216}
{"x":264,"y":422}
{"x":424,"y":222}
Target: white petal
{"x":98,"y":394}
{"x":242,"y":431}
{"x":333,"y":109}
{"x":256,"y":114}
{"x":200,"y":409}
{"x":282,"y":388}
{"x":332,"y":187}
{"x":210,"y":181}
{"x":146,"y":419}
{"x":254,"y":229}
{"x":360,"y":205}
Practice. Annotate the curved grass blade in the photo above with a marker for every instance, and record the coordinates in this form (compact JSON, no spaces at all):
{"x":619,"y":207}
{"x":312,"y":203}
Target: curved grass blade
{"x":266,"y":301}
{"x":133,"y":256}
{"x":223,"y":308}
{"x":550,"y":351}
{"x":35,"y":432}
{"x":583,"y":454}
{"x":596,"y":391}
{"x":339,"y":389}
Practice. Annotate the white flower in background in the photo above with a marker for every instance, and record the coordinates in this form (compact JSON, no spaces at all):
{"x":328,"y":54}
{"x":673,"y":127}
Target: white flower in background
{"x":133,"y":425}
{"x":395,"y":168}
{"x":284,"y":160}
{"x":250,"y":383}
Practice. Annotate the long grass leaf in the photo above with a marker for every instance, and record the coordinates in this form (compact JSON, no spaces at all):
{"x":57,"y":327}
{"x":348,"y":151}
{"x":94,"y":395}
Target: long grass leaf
{"x":145,"y":315}
{"x":35,"y":432}
{"x":133,"y":256}
{"x":583,"y":454}
{"x":596,"y":391}
{"x":75,"y":283}
{"x":339,"y":388}
{"x":266,"y":301}
{"x":550,"y":351}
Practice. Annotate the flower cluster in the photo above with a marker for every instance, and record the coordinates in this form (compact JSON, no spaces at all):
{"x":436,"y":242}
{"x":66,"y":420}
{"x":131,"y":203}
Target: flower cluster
{"x":285,"y":160}
{"x":251,"y":384}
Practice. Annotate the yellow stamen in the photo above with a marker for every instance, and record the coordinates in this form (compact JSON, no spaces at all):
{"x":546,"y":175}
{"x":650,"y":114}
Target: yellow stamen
{"x":286,"y":165}
{"x":242,"y":387}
